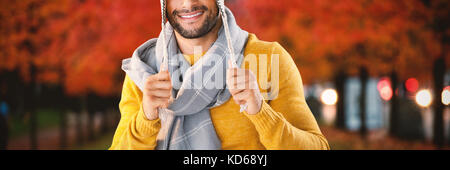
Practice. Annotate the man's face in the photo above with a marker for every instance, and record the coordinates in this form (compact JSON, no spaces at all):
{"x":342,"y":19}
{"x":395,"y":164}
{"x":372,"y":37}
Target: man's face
{"x":192,"y":18}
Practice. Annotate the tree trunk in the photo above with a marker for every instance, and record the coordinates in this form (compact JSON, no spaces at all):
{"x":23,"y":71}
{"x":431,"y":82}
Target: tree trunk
{"x":362,"y":102}
{"x":64,"y":106}
{"x":78,"y":125}
{"x":438,"y":107}
{"x":32,"y":103}
{"x":393,"y":115}
{"x":3,"y":119}
{"x":88,"y":108}
{"x":63,"y":129}
{"x":104,"y":122}
{"x":3,"y":132}
{"x":33,"y":130}
{"x":340,"y":79}
{"x":90,"y":125}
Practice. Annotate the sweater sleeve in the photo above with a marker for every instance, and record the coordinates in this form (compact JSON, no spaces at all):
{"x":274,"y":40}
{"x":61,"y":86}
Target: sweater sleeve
{"x":134,"y":131}
{"x":287,"y":123}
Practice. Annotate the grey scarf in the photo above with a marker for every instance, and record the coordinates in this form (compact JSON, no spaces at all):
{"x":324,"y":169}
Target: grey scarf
{"x":186,"y":123}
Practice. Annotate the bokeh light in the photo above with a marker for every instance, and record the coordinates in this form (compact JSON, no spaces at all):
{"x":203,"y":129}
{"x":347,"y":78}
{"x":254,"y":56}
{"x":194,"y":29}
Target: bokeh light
{"x":446,"y":96}
{"x":329,"y":97}
{"x":384,"y":87}
{"x":412,"y":85}
{"x":423,"y":98}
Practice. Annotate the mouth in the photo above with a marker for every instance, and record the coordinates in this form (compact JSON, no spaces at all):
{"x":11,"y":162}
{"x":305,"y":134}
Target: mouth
{"x":191,"y":16}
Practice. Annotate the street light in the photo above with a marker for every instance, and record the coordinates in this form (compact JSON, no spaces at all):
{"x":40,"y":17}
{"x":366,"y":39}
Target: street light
{"x":385,"y":89}
{"x":412,"y":85}
{"x":329,"y":97}
{"x":446,"y":95}
{"x":423,"y":98}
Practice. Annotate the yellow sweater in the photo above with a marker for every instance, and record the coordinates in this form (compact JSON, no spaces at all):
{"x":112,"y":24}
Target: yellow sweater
{"x":283,"y":123}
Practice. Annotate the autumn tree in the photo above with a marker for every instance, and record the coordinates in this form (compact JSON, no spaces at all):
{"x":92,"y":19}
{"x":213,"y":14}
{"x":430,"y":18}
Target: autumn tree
{"x":75,"y":45}
{"x":21,"y":45}
{"x":326,"y":37}
{"x":440,"y":25}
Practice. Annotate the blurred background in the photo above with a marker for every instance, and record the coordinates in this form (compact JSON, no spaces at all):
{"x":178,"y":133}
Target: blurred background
{"x":376,"y":72}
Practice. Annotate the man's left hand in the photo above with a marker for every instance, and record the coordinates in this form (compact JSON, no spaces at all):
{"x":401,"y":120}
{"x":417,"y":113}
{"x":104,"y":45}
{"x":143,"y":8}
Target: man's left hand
{"x":243,"y":86}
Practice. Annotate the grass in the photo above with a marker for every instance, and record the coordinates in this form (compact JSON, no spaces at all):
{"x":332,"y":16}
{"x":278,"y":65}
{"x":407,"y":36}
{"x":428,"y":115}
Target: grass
{"x":46,"y":118}
{"x":101,"y":143}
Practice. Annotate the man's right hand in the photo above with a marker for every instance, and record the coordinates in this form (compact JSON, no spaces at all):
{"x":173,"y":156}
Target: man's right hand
{"x":157,"y":93}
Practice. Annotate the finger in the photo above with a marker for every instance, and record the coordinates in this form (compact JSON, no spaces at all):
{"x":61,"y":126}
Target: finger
{"x":247,"y":84}
{"x":239,"y":85}
{"x":240,"y":102}
{"x":160,"y":101}
{"x":242,"y":74}
{"x":233,"y":92}
{"x":171,"y":98}
{"x":247,"y":80}
{"x":235,"y":72}
{"x":230,"y":63}
{"x":236,"y":75}
{"x":242,"y":95}
{"x":163,"y":66}
{"x":163,"y":75}
{"x":164,"y":85}
{"x":241,"y":80}
{"x":229,"y":79}
{"x":161,"y":93}
{"x":231,"y":72}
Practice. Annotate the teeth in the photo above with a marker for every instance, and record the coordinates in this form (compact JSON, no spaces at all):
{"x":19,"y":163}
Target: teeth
{"x":191,"y":16}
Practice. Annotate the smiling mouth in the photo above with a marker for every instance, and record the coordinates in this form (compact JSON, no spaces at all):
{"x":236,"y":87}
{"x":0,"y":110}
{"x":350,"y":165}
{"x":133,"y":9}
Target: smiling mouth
{"x":192,"y":15}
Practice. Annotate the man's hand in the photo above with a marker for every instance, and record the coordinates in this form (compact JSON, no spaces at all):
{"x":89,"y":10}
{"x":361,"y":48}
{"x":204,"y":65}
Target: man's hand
{"x":157,"y":93}
{"x":243,"y":87}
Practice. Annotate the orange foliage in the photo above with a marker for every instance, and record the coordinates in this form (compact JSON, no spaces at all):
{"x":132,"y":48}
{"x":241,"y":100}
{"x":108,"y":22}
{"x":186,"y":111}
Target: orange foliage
{"x":80,"y":44}
{"x":77,"y":43}
{"x":326,"y":35}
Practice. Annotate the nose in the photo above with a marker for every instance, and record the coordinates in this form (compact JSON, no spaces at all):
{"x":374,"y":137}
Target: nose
{"x":188,"y":4}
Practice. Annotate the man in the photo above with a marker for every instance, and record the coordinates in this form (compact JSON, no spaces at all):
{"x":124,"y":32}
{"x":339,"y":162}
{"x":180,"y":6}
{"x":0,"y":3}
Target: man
{"x":164,"y":106}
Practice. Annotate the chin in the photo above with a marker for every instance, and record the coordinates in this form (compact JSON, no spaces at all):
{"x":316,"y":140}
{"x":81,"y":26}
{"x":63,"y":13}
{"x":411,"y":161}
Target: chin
{"x":192,"y":27}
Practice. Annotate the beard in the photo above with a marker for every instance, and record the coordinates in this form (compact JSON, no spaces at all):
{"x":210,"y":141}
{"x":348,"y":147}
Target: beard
{"x":207,"y":25}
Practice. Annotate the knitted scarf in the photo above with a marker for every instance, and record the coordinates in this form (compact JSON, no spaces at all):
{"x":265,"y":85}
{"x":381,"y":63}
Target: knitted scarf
{"x":186,"y":124}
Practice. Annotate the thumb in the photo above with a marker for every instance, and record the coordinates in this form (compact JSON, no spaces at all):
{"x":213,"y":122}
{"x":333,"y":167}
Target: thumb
{"x":230,"y":64}
{"x":163,"y":67}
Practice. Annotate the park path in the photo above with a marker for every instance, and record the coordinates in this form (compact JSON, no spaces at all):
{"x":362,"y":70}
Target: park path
{"x":49,"y":138}
{"x":375,"y":140}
